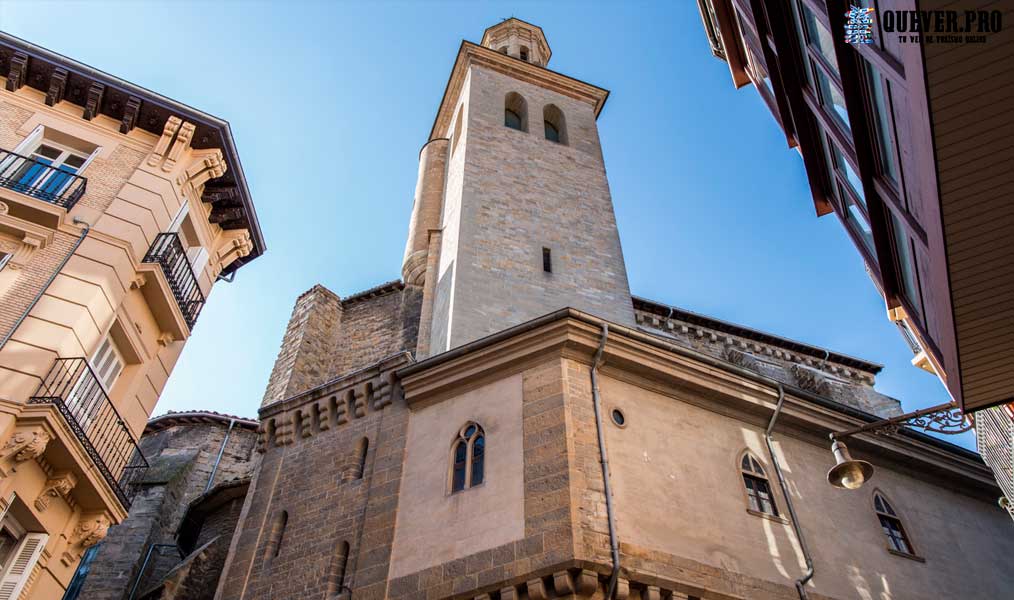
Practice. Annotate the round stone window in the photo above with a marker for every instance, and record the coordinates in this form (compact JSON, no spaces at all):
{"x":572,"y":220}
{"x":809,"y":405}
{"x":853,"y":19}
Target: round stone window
{"x":619,"y":419}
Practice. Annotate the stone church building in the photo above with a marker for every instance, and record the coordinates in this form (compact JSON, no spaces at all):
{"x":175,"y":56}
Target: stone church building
{"x":507,"y":422}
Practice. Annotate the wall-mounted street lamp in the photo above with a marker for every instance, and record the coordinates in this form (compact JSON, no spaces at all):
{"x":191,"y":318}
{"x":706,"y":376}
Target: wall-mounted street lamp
{"x":850,"y":474}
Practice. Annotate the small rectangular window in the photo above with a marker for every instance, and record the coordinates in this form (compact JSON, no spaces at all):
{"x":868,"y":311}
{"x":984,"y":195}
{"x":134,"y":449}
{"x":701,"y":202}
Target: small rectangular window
{"x":547,"y":260}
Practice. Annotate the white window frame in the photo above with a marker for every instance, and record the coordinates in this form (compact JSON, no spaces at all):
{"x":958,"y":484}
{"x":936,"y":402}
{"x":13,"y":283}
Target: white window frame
{"x":34,"y":140}
{"x":15,"y":575}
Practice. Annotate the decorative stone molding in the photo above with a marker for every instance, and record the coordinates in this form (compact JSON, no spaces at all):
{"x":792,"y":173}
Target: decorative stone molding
{"x":329,"y":407}
{"x":138,"y":282}
{"x":232,"y":244}
{"x":563,"y":583}
{"x":742,"y":359}
{"x":93,"y":102}
{"x":536,"y":590}
{"x":25,"y":445}
{"x":811,"y":379}
{"x":90,"y":530}
{"x":58,"y":486}
{"x":587,"y":582}
{"x":130,"y":114}
{"x":182,"y":143}
{"x":165,"y":338}
{"x":172,"y":125}
{"x":209,"y":164}
{"x":21,"y":238}
{"x":18,"y":71}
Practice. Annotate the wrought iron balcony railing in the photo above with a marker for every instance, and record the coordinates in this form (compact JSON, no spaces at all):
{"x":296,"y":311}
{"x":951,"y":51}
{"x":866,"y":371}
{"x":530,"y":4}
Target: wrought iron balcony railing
{"x":35,"y":178}
{"x":167,"y":250}
{"x":72,"y":387}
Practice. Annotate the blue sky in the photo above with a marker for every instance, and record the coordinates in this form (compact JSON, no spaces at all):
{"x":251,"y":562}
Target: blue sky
{"x":330,"y":103}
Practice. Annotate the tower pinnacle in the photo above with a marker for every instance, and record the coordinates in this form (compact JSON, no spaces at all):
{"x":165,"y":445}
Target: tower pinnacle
{"x":519,"y":39}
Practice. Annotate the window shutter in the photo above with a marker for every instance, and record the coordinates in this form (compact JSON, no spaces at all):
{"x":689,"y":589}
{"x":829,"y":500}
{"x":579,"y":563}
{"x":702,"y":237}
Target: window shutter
{"x":17,"y":575}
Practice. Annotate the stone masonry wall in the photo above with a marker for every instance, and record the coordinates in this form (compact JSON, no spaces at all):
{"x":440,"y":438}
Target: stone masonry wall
{"x":376,"y":327}
{"x":522,"y":193}
{"x":310,"y":474}
{"x":305,"y":350}
{"x":182,"y":458}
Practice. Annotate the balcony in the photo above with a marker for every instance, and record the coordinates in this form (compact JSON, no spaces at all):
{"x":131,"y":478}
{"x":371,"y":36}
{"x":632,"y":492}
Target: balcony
{"x":73,"y":389}
{"x":167,"y":251}
{"x":35,"y":178}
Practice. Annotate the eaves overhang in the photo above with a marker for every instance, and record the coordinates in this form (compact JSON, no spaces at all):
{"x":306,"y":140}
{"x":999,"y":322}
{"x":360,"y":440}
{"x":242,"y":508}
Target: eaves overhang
{"x":137,"y":107}
{"x":473,"y":54}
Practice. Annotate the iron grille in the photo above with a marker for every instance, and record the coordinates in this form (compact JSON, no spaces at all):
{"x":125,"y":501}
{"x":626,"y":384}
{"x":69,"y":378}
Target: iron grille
{"x":72,"y":387}
{"x":994,"y":437}
{"x":39,"y":180}
{"x":167,"y":250}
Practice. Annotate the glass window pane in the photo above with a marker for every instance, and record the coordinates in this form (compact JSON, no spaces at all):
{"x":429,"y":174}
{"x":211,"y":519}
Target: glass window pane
{"x":552,"y":134}
{"x":850,"y":174}
{"x":882,"y":112}
{"x":478,"y":459}
{"x":906,"y":264}
{"x":512,"y":119}
{"x":819,"y":37}
{"x":832,"y":99}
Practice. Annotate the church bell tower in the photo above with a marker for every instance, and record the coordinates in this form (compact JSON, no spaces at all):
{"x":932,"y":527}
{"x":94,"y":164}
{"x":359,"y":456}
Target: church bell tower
{"x":513,"y":218}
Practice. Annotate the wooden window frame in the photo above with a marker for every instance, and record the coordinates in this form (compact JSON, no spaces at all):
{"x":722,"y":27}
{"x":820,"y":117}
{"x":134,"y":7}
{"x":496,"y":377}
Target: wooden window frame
{"x":891,"y":514}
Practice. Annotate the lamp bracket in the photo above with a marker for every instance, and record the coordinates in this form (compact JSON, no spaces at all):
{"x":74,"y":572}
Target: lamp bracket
{"x":946,"y":419}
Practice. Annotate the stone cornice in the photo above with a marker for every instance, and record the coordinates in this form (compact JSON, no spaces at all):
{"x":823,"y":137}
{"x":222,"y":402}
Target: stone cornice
{"x":679,"y":373}
{"x":472,"y":54}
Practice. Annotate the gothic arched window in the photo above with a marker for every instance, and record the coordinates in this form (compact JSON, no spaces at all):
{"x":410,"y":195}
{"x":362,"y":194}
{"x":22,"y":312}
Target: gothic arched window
{"x":555,"y":124}
{"x":890,"y":522}
{"x":468,"y":457}
{"x":515,"y":112}
{"x":758,"y":489}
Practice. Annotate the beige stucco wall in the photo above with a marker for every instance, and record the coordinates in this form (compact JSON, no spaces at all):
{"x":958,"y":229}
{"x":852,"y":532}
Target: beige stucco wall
{"x":678,"y":489}
{"x":435,"y":526}
{"x":103,"y":289}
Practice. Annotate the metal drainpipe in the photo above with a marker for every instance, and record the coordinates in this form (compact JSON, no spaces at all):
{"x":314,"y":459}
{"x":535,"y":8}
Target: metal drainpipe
{"x":221,"y":451}
{"x":614,"y":543}
{"x":42,"y":290}
{"x":801,"y":582}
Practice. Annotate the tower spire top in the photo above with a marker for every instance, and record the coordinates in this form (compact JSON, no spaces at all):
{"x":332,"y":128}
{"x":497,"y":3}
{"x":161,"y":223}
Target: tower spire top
{"x":519,"y":39}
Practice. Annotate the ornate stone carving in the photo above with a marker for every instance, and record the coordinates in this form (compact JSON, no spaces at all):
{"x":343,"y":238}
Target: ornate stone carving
{"x":209,"y":165}
{"x":58,"y":486}
{"x":742,"y":359}
{"x":57,"y":86}
{"x":4,"y":209}
{"x":90,"y":530}
{"x":172,"y":125}
{"x":811,"y":379}
{"x":93,"y":103}
{"x":18,"y":71}
{"x":233,"y":244}
{"x":130,"y":113}
{"x":25,"y":445}
{"x":182,"y":142}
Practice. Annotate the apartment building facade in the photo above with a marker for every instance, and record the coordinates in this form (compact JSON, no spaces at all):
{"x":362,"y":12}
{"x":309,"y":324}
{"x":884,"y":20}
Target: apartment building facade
{"x":900,"y":112}
{"x":120,"y":209}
